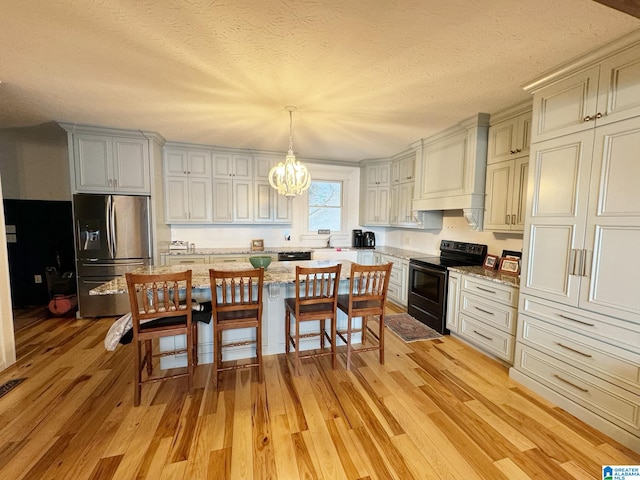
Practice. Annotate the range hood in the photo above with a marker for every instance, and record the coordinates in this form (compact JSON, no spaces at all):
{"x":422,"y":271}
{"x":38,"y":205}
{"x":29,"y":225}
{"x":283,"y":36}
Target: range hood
{"x":451,"y":169}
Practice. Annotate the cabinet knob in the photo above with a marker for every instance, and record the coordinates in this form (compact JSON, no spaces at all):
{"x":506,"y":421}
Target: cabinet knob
{"x":598,"y":115}
{"x":588,"y":118}
{"x":512,"y":152}
{"x":508,"y":219}
{"x":518,"y":150}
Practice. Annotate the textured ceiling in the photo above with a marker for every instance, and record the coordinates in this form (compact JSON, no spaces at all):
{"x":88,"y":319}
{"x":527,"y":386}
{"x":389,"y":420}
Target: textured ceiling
{"x":368,"y":77}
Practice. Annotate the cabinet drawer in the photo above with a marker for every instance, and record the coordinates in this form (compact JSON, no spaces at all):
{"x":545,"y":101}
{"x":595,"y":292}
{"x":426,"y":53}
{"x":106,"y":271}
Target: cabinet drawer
{"x":394,"y":292}
{"x":182,"y":260}
{"x":491,"y":339}
{"x":600,"y":327}
{"x":608,"y":362}
{"x":226,"y":259}
{"x":607,"y":400}
{"x":500,"y":293}
{"x":485,"y":310}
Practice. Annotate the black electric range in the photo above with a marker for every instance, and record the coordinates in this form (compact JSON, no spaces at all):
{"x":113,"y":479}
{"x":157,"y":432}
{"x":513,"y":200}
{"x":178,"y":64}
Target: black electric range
{"x":428,"y":278}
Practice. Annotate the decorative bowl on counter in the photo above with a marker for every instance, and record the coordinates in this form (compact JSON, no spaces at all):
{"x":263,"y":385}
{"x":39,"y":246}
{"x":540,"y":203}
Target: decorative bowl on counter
{"x":260,"y":261}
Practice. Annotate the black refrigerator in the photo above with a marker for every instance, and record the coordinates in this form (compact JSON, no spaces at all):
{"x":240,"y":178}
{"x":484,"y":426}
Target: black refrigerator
{"x":113,"y":236}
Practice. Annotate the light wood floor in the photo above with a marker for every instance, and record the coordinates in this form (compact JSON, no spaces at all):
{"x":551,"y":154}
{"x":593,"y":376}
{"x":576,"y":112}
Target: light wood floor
{"x":437,"y":409}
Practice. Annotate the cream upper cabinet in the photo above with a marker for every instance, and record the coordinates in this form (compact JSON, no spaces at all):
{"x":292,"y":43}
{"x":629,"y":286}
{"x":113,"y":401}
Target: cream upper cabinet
{"x":232,"y":166}
{"x":377,"y":174}
{"x":187,"y":180}
{"x":183,"y":161}
{"x":599,"y":93}
{"x":233,"y":188}
{"x":269,"y":206}
{"x":509,"y":138}
{"x":403,"y":169}
{"x":375,"y":195}
{"x":506,"y":200}
{"x":111,"y":164}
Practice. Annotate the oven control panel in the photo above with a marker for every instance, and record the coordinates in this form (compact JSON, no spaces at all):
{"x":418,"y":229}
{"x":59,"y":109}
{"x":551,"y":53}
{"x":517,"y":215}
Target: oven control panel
{"x":463,"y":247}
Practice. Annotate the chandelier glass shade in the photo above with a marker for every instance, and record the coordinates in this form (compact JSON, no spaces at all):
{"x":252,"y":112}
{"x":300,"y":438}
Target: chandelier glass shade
{"x":290,"y":177}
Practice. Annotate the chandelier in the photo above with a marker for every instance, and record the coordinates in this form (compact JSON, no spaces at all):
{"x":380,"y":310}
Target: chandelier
{"x":291,"y":177}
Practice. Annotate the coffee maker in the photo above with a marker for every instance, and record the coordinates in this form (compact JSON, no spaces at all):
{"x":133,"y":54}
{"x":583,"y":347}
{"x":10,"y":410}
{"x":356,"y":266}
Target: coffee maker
{"x":357,"y":239}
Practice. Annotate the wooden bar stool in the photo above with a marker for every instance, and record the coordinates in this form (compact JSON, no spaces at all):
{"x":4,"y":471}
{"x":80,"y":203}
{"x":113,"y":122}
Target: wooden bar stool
{"x":156,"y":311}
{"x":367,"y":296}
{"x":236,"y":300}
{"x":316,"y":300}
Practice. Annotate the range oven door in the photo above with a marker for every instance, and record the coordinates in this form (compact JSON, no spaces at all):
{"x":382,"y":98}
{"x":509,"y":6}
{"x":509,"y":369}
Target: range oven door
{"x":428,"y":295}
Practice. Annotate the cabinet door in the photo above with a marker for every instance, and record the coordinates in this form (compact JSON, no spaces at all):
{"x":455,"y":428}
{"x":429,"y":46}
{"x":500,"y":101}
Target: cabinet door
{"x":558,"y":190}
{"x":199,"y":163}
{"x":242,"y":167}
{"x":222,"y":200}
{"x":394,"y":205}
{"x":93,"y":156}
{"x":263,"y":212}
{"x":497,"y":215}
{"x":395,"y":172}
{"x":405,"y":199}
{"x":131,"y":165}
{"x":176,"y":200}
{"x":619,"y":87}
{"x":200,"y":201}
{"x":519,"y":203}
{"x":523,"y":136}
{"x":377,"y":206}
{"x":175,"y":161}
{"x":561,"y":107}
{"x":262,"y":166}
{"x":242,"y":201}
{"x":453,"y":294}
{"x":407,"y":169}
{"x":284,"y":208}
{"x":502,"y":140}
{"x":610,"y":282}
{"x":222,"y":165}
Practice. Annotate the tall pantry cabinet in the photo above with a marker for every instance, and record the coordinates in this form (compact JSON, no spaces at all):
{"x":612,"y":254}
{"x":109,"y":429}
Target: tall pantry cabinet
{"x":578,"y":339}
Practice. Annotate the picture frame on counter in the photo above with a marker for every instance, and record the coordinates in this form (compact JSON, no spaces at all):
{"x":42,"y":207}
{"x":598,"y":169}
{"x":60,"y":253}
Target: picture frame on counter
{"x":511,"y":254}
{"x":491,"y":262}
{"x":257,"y":245}
{"x":509,"y":266}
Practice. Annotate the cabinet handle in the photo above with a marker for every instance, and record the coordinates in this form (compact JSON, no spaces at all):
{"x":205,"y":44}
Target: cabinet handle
{"x":598,"y":115}
{"x":513,"y":219}
{"x":485,"y":311}
{"x":187,"y":261}
{"x":483,"y":336}
{"x":572,"y":261}
{"x":577,"y":321}
{"x":512,"y":152}
{"x":574,"y":350}
{"x":507,"y":219}
{"x":518,"y":150}
{"x":115,"y":182}
{"x":569,"y":383}
{"x":486,"y":290}
{"x":588,"y":118}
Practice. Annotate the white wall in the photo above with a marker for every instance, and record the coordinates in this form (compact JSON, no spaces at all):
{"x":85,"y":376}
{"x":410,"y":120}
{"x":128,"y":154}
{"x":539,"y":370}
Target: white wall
{"x":34,"y":163}
{"x":227,"y":236}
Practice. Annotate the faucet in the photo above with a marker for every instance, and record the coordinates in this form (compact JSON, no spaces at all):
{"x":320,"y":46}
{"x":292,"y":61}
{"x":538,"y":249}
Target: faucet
{"x":329,"y":242}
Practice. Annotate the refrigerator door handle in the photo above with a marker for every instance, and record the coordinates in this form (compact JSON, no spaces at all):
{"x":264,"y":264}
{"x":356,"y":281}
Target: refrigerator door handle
{"x":128,"y":264}
{"x":112,"y":220}
{"x":107,"y":216}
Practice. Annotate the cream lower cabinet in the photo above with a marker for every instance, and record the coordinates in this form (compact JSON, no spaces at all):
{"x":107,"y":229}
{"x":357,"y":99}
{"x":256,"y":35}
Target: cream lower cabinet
{"x":398,"y":281}
{"x":585,"y":359}
{"x":484,"y":314}
{"x":453,"y":297}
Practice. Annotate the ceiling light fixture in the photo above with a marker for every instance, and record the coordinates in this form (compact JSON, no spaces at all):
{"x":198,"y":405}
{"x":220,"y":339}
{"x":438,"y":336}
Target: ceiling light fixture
{"x":291,"y":177}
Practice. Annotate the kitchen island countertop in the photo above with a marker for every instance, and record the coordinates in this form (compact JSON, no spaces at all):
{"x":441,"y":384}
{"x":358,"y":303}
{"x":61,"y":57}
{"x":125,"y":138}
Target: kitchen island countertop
{"x":277,"y":272}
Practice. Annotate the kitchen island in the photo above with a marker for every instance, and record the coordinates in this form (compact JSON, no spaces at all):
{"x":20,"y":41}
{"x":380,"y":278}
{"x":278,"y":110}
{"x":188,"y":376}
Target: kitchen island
{"x":278,"y":283}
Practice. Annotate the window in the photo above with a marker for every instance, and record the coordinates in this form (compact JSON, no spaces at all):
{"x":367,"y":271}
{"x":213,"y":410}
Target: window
{"x":325,"y":205}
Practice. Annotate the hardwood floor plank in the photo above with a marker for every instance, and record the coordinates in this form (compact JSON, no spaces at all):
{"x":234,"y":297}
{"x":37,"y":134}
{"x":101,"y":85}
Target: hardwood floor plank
{"x":436,"y":409}
{"x":106,"y":468}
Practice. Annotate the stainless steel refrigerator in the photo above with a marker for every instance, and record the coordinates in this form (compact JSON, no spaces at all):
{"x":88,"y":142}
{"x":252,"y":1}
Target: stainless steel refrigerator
{"x":113,"y":236}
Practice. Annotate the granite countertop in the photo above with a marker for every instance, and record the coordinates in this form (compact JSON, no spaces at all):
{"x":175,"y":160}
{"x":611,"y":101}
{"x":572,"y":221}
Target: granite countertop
{"x":277,"y":272}
{"x":492,"y":275}
{"x":235,"y":251}
{"x":402,"y":253}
